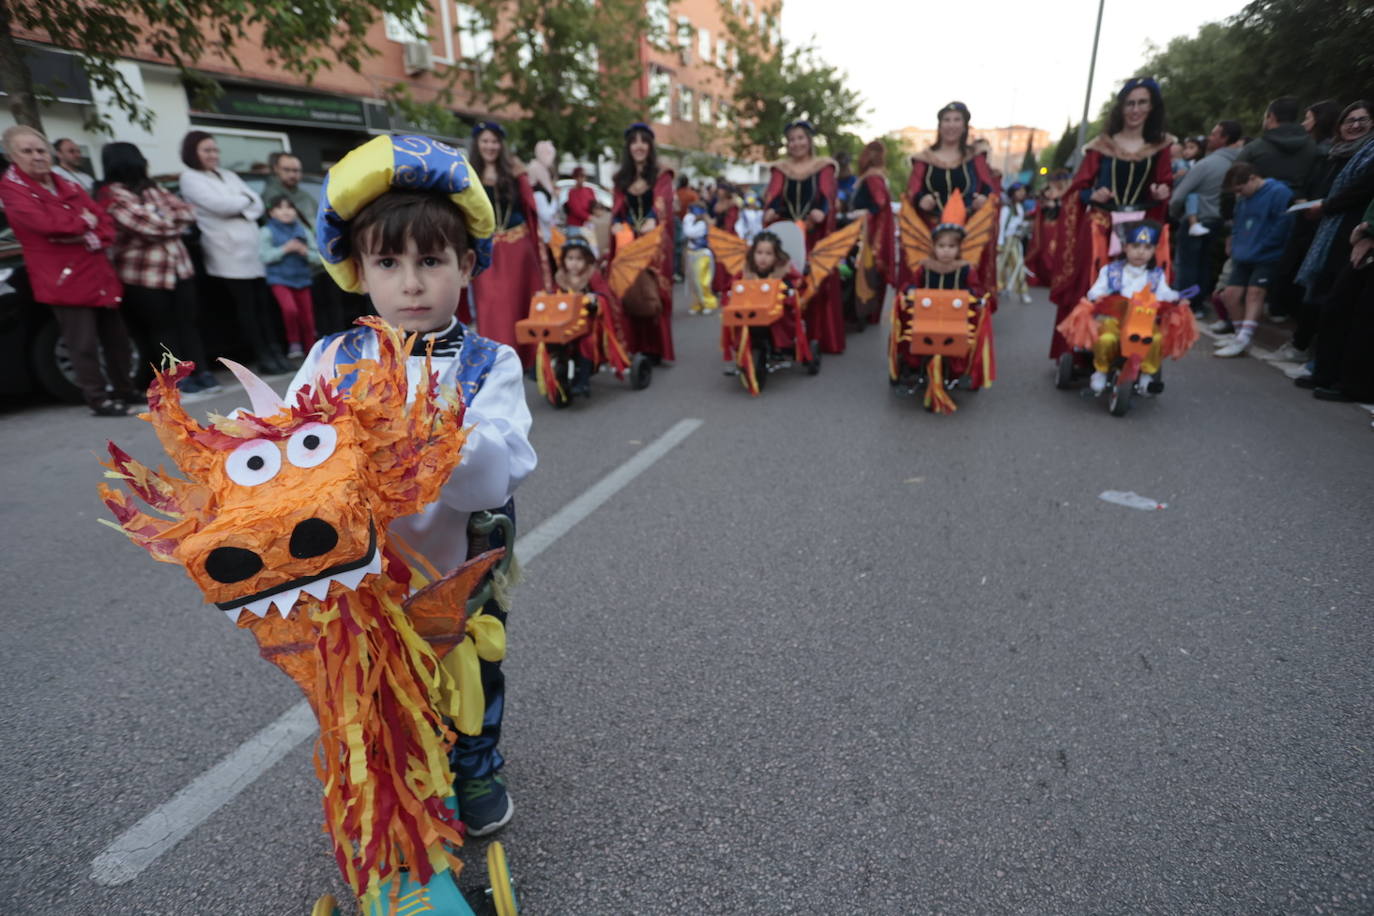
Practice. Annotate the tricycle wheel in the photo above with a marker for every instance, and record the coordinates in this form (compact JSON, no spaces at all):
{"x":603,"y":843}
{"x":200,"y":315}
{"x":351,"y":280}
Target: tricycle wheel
{"x":761,"y":364}
{"x":502,"y":888}
{"x":1119,"y":398}
{"x":1064,"y":377}
{"x":814,"y":367}
{"x":641,"y":372}
{"x":325,"y":906}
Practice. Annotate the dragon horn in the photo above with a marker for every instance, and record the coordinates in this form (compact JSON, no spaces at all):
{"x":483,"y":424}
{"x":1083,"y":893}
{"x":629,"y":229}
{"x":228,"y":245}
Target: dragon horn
{"x":265,"y":401}
{"x":324,"y":369}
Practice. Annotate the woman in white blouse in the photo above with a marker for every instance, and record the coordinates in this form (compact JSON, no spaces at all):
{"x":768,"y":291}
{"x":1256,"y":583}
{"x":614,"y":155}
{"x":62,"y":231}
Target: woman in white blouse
{"x":227,"y":211}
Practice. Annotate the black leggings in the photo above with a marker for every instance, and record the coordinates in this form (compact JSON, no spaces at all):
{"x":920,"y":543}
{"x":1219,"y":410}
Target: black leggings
{"x":253,"y":307}
{"x":165,"y":319}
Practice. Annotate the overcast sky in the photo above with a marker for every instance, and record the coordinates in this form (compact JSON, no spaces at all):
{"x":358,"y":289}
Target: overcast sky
{"x":1010,"y":62}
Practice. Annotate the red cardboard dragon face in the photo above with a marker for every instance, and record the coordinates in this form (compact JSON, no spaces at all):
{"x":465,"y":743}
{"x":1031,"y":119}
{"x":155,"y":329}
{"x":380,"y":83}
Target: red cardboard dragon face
{"x":281,"y":505}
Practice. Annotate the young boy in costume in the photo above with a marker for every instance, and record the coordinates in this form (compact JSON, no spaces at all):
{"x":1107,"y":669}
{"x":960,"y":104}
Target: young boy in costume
{"x":1127,"y":275}
{"x":406,"y":220}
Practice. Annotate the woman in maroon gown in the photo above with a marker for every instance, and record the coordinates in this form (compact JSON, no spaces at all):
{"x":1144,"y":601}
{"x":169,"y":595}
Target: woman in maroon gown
{"x":802,"y":189}
{"x":877,"y":257}
{"x":949,"y":164}
{"x":519,"y":262}
{"x":643,"y":201}
{"x":1126,"y":175}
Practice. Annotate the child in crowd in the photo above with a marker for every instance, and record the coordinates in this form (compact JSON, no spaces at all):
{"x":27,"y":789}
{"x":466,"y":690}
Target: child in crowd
{"x":605,"y":341}
{"x":404,"y":220}
{"x":750,"y":222}
{"x":289,"y":254}
{"x":1260,"y":235}
{"x":1118,"y":281}
{"x":698,"y":262}
{"x":945,"y":269}
{"x":765,"y":260}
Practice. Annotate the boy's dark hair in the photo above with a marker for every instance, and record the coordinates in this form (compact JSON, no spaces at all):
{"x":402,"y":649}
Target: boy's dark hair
{"x":1231,"y":130}
{"x":1237,"y":175}
{"x":189,"y":155}
{"x":276,"y":200}
{"x":772,"y":239}
{"x":1285,"y":109}
{"x":431,"y":219}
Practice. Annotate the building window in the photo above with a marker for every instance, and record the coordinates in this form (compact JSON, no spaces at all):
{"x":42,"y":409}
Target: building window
{"x":704,"y":109}
{"x":748,"y":12}
{"x":723,"y":115}
{"x":404,"y":30}
{"x":685,"y":102}
{"x":656,"y":11}
{"x":661,"y":91}
{"x":474,"y":34}
{"x":704,"y":45}
{"x":722,"y":54}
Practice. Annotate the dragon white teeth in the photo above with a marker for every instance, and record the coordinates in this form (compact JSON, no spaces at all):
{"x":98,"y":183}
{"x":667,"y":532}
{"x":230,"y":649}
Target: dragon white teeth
{"x":351,"y":579}
{"x":260,"y":607}
{"x":317,"y":589}
{"x":286,"y":601}
{"x":234,"y":615}
{"x":375,"y":567}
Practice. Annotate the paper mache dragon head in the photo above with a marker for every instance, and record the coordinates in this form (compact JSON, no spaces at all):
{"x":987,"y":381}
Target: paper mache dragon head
{"x":281,"y":521}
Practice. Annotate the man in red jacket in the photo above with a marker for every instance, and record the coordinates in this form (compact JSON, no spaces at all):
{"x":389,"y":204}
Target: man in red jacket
{"x":64,"y":234}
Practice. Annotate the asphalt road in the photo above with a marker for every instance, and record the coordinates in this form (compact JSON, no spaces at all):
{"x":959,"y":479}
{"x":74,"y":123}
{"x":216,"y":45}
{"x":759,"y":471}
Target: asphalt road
{"x":831,"y":654}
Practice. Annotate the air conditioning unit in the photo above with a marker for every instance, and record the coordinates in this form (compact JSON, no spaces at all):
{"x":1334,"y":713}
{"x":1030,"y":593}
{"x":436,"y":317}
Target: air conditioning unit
{"x":418,"y":57}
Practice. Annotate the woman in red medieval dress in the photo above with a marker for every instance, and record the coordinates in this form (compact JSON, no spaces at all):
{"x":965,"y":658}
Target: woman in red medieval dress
{"x":1126,"y":175}
{"x":644,"y":200}
{"x":802,"y":189}
{"x":1047,"y":245}
{"x":949,"y":164}
{"x":877,"y":256}
{"x":519,"y":263}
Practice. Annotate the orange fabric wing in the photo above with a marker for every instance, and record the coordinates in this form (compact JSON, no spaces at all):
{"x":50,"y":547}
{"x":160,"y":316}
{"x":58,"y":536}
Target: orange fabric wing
{"x":631,"y":260}
{"x":978,"y":232}
{"x":829,"y":252}
{"x":729,"y":249}
{"x":917,"y":244}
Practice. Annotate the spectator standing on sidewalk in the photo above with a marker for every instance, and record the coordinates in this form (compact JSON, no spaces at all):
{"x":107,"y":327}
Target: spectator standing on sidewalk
{"x":64,"y":234}
{"x":1329,"y":256}
{"x":1284,"y":151}
{"x":1262,"y":224}
{"x":227,"y":212}
{"x":1354,"y":130}
{"x":288,"y":250}
{"x":285,"y":181}
{"x":153,"y":263}
{"x":1200,"y":190}
{"x":69,"y":164}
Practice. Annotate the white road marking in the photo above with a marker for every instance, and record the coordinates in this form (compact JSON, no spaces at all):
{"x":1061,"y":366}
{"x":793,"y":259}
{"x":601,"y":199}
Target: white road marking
{"x":167,"y":824}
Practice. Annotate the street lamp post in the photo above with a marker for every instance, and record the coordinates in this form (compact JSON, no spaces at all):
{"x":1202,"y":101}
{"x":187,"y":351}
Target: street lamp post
{"x":1092,"y":68}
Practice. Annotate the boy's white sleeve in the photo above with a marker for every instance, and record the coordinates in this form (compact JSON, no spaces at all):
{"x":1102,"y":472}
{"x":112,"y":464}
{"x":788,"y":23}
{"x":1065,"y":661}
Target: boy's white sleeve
{"x":497,"y":454}
{"x":1100,"y":287}
{"x":306,"y":373}
{"x":694,"y":227}
{"x":1164,"y":292}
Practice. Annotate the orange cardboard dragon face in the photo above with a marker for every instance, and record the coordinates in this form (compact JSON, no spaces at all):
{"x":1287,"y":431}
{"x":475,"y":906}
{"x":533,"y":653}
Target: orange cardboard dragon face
{"x":293,"y":499}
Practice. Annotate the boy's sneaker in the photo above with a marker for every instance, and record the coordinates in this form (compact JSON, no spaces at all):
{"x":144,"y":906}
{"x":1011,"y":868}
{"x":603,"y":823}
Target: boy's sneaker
{"x":1288,"y":353}
{"x":1198,"y":229}
{"x":484,"y":804}
{"x":1233,"y":348}
{"x":1223,"y":340}
{"x":1221,"y":327}
{"x":1098,"y":382}
{"x":1144,"y":385}
{"x":295,"y":351}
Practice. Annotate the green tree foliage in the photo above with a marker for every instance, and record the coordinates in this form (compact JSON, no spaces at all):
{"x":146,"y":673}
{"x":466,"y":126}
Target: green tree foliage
{"x":1312,"y":49}
{"x":568,"y":67}
{"x":775,"y":84}
{"x":303,"y":37}
{"x":1063,"y":150}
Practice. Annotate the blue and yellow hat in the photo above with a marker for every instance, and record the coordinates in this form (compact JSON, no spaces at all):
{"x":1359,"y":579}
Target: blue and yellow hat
{"x":402,"y":163}
{"x":1141,"y":232}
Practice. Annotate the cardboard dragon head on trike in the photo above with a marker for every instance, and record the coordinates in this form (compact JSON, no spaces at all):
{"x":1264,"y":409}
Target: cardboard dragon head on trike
{"x":281,"y":520}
